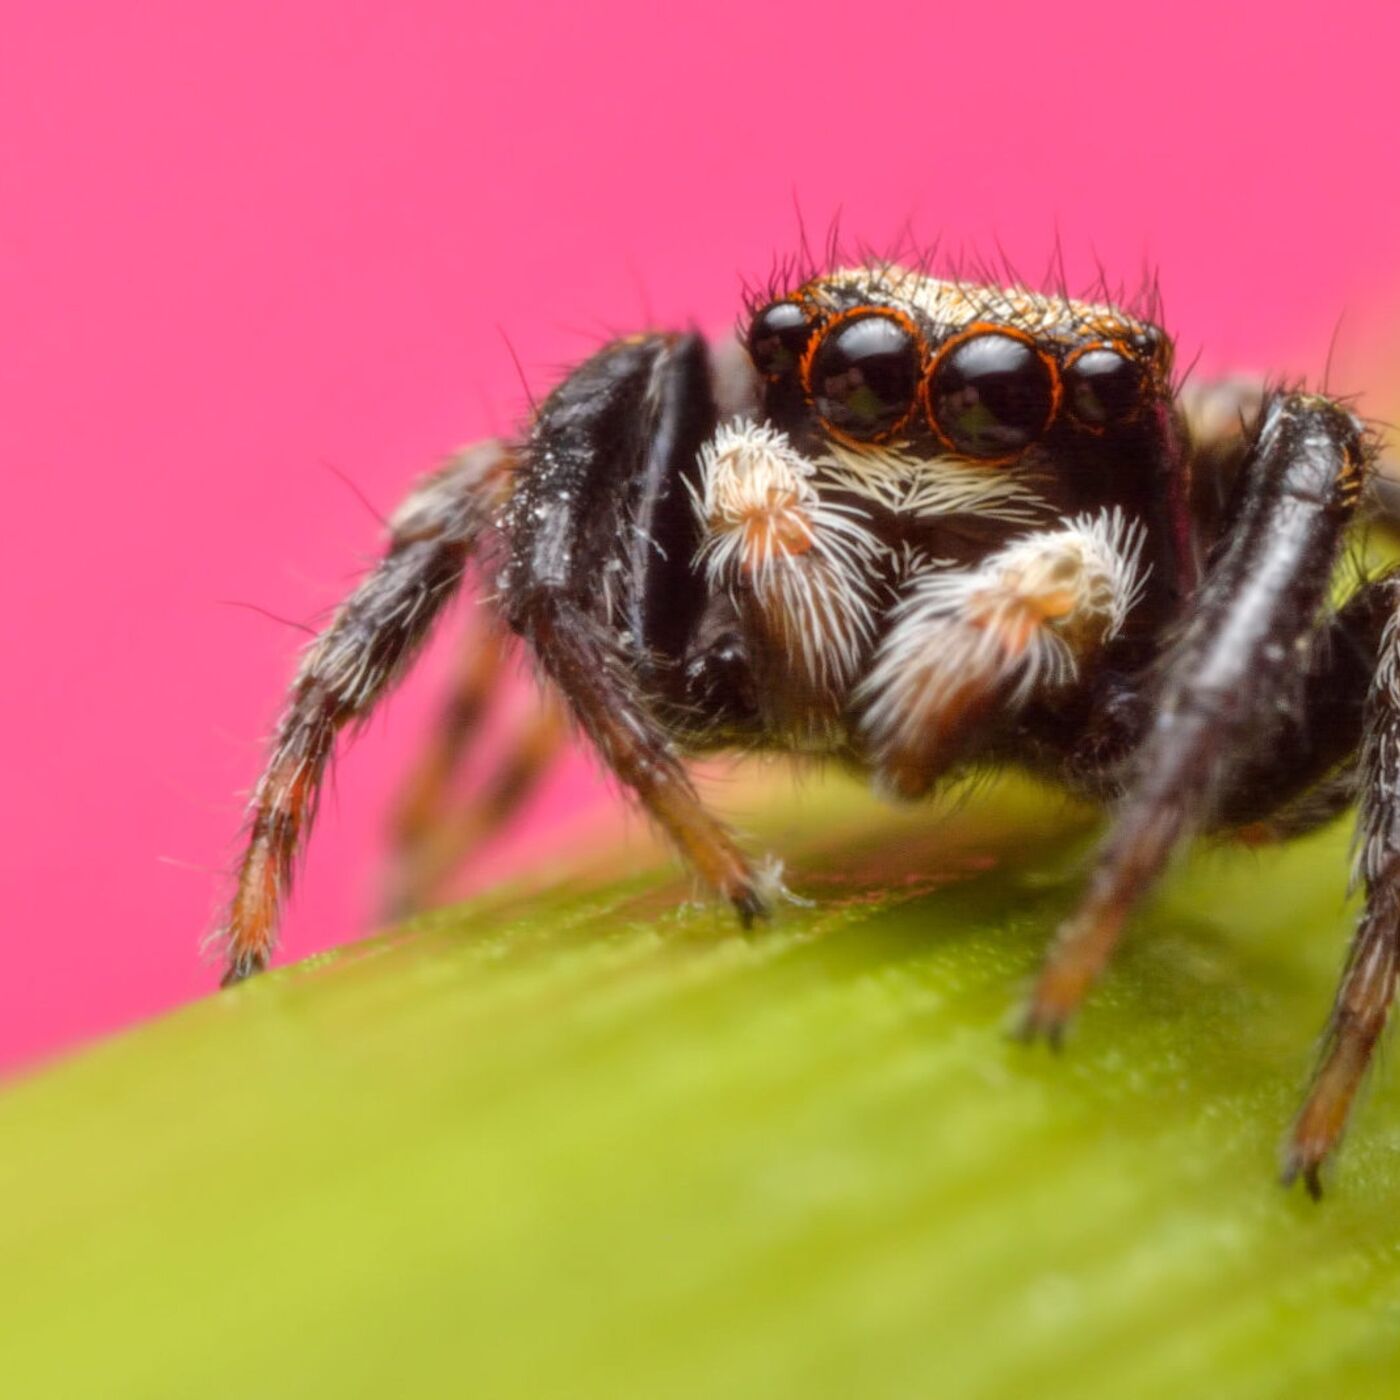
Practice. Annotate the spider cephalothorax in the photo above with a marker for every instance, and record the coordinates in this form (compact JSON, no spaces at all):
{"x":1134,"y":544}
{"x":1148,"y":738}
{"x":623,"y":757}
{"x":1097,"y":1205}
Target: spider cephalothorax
{"x":910,"y":524}
{"x":875,"y":527}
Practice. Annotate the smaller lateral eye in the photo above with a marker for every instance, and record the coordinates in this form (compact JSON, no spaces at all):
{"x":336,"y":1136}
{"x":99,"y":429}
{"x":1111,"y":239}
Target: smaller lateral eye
{"x":777,"y":338}
{"x":991,"y":394}
{"x":864,"y":374}
{"x":1103,"y":387}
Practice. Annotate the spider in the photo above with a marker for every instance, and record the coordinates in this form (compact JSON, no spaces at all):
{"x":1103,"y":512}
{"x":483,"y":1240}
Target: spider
{"x":908,"y":524}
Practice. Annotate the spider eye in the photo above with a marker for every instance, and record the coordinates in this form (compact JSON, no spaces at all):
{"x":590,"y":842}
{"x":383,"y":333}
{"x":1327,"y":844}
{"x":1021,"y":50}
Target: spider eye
{"x":777,"y":338}
{"x":991,"y":395}
{"x":1103,"y":387}
{"x":864,"y":375}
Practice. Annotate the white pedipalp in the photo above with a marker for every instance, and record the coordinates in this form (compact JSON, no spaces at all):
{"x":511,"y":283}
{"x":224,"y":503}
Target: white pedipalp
{"x":1020,"y":623}
{"x":804,"y":565}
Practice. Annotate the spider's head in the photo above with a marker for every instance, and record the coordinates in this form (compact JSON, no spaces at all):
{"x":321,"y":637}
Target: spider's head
{"x":872,"y":357}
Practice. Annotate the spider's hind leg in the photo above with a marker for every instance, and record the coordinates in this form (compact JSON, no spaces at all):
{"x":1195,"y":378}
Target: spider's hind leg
{"x":434,"y":828}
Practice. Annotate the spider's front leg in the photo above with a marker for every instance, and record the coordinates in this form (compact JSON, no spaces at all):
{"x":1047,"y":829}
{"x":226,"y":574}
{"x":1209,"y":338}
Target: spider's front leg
{"x":1227,"y":683}
{"x":344,"y":673}
{"x":601,"y":579}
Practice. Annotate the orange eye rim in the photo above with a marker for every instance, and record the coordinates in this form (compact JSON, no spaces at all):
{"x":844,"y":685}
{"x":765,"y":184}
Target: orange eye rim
{"x":804,"y":371}
{"x":972,"y":332}
{"x":1124,"y":351}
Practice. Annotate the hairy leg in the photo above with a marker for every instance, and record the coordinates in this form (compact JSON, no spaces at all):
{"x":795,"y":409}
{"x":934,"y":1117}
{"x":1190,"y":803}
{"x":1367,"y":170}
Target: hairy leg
{"x":343,"y":674}
{"x":1269,"y":799}
{"x":433,"y":829}
{"x":1221,"y":418}
{"x":425,"y":795}
{"x":1308,"y":774}
{"x":1233,"y":671}
{"x":601,"y":582}
{"x":1368,"y":983}
{"x":602,"y":694}
{"x":446,"y":837}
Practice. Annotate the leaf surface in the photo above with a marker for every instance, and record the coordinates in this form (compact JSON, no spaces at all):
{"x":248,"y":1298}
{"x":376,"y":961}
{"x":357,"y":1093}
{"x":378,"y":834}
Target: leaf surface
{"x":583,"y":1139}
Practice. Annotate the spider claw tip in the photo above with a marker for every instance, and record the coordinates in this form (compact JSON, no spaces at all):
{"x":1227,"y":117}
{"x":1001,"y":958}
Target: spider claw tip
{"x":1036,"y":1021}
{"x":1301,"y":1162}
{"x":239,"y":970}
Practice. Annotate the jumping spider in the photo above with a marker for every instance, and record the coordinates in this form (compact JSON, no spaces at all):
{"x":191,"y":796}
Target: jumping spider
{"x":910,"y":523}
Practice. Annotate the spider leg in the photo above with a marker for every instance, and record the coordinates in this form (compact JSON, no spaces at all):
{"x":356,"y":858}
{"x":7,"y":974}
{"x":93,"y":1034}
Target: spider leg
{"x":1221,"y":416}
{"x":444,"y":835}
{"x":1266,"y":800}
{"x":425,"y":795}
{"x":1224,"y":684}
{"x":601,"y":580}
{"x":1367,"y":989}
{"x":1088,"y":749}
{"x":1359,"y":1015}
{"x":372,"y":636}
{"x":583,"y":662}
{"x":1349,"y":693}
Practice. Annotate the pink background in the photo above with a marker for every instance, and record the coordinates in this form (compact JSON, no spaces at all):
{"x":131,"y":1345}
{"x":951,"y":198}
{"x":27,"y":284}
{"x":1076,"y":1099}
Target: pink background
{"x":242,"y":240}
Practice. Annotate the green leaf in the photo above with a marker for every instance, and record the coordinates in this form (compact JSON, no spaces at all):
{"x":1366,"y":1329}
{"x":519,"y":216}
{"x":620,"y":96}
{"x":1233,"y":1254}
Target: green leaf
{"x":585,"y":1141}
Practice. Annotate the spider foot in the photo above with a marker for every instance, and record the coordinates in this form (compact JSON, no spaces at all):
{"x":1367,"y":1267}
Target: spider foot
{"x":1059,"y":991}
{"x":751,"y":906}
{"x":1320,"y":1124}
{"x":1304,"y":1160}
{"x":240,"y":968}
{"x":758,"y":891}
{"x":1038,"y":1021}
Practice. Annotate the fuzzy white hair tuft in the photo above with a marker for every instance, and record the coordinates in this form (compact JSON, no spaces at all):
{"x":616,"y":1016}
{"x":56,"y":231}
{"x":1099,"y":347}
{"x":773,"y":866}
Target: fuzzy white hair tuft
{"x":1020,"y":623}
{"x":805,"y":565}
{"x":906,"y":484}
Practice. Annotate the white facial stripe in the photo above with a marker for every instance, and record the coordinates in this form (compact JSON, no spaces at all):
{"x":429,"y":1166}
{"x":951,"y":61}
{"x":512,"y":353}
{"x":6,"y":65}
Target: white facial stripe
{"x":927,"y":487}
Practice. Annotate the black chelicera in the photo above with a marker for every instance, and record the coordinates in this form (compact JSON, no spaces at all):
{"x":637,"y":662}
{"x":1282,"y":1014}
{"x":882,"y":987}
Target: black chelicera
{"x":908,"y":524}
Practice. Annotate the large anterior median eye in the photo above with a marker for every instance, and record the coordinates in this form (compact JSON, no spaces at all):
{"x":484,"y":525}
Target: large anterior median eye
{"x":991,"y":394}
{"x":777,"y":338}
{"x":864,"y":374}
